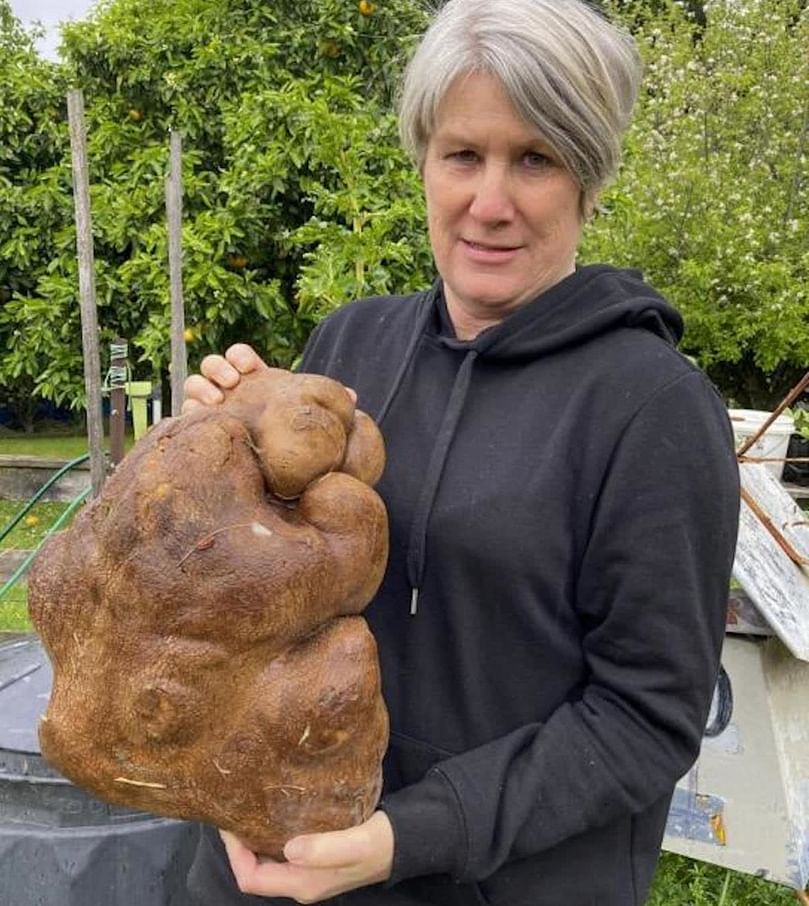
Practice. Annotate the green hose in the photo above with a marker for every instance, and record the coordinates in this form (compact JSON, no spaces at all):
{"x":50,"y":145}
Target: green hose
{"x":49,"y":483}
{"x":23,"y":567}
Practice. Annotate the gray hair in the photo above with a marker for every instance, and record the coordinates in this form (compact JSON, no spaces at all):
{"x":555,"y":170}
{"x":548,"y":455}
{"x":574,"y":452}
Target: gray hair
{"x":569,"y":72}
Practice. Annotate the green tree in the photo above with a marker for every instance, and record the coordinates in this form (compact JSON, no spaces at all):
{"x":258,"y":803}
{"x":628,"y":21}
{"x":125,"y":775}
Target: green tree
{"x":33,"y":208}
{"x":290,"y":162}
{"x":712,"y":199}
{"x":298,"y":196}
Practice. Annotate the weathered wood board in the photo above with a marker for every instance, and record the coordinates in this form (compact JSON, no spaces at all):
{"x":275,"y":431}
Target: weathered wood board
{"x":778,"y":586}
{"x":745,"y":803}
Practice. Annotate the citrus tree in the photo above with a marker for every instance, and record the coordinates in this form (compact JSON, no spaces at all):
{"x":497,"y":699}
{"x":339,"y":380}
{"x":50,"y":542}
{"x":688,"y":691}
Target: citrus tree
{"x":34,"y":207}
{"x":290,"y":164}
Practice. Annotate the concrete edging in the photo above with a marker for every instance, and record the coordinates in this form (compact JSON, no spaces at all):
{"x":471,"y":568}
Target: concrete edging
{"x":22,"y":476}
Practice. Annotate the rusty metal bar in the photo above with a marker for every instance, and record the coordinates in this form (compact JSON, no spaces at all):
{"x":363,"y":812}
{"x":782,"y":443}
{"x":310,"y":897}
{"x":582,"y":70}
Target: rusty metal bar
{"x":790,"y":398}
{"x":768,"y":524}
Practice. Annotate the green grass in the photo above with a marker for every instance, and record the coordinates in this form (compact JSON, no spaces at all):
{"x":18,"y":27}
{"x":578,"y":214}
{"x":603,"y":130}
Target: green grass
{"x":52,"y":446}
{"x":686,"y":882}
{"x":14,"y":609}
{"x":25,"y":536}
{"x":28,"y":533}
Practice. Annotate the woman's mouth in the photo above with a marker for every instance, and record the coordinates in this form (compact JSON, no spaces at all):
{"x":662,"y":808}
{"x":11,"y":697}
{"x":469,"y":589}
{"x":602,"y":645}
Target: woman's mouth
{"x":489,"y":254}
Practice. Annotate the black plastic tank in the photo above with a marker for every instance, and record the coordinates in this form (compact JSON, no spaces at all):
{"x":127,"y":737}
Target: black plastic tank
{"x":59,"y":846}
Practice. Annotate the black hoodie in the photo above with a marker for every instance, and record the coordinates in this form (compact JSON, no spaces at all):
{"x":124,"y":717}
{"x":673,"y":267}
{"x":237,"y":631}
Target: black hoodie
{"x":563,"y":498}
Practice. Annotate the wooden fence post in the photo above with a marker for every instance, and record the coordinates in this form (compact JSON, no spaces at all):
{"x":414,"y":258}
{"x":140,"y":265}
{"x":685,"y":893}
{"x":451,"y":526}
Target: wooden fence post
{"x":174,"y":216}
{"x":89,"y":320}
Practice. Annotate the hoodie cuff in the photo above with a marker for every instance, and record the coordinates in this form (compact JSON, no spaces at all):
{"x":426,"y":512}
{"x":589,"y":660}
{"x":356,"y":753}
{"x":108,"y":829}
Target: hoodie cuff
{"x":429,"y":835}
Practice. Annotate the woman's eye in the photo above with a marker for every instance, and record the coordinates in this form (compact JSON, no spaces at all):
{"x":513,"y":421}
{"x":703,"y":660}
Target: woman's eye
{"x":536,"y":160}
{"x":465,"y":155}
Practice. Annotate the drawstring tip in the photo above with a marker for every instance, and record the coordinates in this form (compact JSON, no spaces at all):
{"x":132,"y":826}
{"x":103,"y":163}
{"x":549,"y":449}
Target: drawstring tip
{"x":414,"y":601}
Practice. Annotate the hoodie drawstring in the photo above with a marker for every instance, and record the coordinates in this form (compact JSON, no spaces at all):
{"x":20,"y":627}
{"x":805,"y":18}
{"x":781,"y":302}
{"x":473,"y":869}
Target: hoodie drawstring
{"x":410,"y":352}
{"x":418,"y":531}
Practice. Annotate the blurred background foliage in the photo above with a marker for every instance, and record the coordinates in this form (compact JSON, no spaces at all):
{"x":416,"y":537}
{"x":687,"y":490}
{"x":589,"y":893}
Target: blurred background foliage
{"x":298,"y":197}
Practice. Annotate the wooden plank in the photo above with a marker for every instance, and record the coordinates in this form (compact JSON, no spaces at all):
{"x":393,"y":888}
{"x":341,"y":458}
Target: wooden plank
{"x":777,"y":585}
{"x":87,"y":290}
{"x":787,"y":517}
{"x":174,"y":216}
{"x":796,"y":491}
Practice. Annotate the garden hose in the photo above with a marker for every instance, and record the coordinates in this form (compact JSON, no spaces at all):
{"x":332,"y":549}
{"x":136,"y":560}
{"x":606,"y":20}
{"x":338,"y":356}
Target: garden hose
{"x":23,"y":567}
{"x":49,"y":483}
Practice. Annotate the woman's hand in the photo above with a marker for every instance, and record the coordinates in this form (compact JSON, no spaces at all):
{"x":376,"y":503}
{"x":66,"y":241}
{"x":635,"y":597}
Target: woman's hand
{"x":223,"y":372}
{"x":220,"y":373}
{"x":319,"y":866}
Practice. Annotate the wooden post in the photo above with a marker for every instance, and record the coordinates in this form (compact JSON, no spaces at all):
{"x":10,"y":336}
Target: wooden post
{"x":118,"y":376}
{"x":174,"y":215}
{"x":89,"y":321}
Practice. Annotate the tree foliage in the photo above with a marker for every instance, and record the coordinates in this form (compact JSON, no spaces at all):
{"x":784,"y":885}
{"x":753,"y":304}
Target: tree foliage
{"x":32,"y":212}
{"x":298,"y":197}
{"x":290,"y":165}
{"x":713,"y":197}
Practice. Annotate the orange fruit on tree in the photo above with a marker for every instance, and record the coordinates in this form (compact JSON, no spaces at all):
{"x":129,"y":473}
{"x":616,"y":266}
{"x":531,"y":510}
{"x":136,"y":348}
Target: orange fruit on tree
{"x":135,"y":115}
{"x":238,"y":262}
{"x":367,"y":8}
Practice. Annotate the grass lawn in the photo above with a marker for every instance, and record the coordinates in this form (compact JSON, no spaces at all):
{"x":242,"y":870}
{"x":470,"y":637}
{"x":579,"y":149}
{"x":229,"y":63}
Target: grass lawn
{"x":52,"y":447}
{"x":14,"y":609}
{"x":55,"y":446}
{"x":28,"y":533}
{"x":25,"y":536}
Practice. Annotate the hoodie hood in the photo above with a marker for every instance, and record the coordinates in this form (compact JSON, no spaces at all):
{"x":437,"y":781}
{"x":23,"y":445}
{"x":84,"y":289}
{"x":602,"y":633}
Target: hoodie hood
{"x":591,"y":301}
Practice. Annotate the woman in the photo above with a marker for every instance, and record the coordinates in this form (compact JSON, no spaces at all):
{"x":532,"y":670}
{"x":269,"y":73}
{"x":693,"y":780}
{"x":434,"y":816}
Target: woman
{"x":562,"y":495}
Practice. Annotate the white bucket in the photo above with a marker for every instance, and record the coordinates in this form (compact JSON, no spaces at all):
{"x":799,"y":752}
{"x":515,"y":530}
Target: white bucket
{"x":772,"y":445}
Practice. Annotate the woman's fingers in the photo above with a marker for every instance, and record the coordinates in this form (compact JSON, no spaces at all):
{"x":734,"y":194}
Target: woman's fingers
{"x":242,"y":859}
{"x":366,"y":849}
{"x":218,"y":373}
{"x":320,"y":865}
{"x":244,"y":358}
{"x":224,"y":372}
{"x":200,"y":390}
{"x":218,"y":370}
{"x":189,"y":405}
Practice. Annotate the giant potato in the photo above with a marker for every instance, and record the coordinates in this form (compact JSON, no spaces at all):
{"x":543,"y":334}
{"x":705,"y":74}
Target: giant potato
{"x":202,"y":618}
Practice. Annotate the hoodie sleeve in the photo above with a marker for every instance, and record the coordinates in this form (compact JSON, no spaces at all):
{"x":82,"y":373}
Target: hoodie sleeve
{"x":651,"y":595}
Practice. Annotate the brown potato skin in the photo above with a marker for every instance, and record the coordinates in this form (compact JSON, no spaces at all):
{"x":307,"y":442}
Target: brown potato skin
{"x":202,"y":619}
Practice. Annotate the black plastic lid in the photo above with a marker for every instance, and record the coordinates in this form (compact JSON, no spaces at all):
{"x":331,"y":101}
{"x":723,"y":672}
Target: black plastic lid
{"x":25,"y":686}
{"x":31,"y":791}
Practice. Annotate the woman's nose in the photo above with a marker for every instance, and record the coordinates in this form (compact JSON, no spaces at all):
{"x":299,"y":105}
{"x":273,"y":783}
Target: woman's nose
{"x":492,"y":201}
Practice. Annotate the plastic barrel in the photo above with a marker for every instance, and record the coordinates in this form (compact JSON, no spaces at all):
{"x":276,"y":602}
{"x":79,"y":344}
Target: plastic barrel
{"x":59,"y":846}
{"x":772,"y":445}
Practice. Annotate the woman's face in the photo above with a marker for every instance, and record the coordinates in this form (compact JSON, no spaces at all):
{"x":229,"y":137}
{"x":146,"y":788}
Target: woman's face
{"x":503,"y":213}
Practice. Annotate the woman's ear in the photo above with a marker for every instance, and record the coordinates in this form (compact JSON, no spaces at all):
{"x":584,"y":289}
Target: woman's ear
{"x":588,"y":204}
